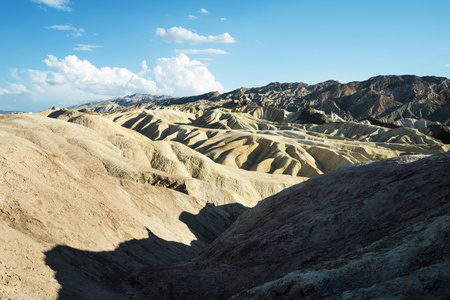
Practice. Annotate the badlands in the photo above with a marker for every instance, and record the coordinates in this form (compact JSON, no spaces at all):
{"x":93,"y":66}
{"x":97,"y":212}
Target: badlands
{"x":281,"y":192}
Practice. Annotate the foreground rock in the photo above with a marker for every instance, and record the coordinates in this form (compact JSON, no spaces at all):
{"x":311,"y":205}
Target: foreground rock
{"x":376,"y":230}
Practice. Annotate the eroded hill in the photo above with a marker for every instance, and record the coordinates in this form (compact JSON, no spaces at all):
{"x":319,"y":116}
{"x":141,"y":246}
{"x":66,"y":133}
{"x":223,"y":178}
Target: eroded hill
{"x":253,"y":140}
{"x":119,"y":202}
{"x":371,"y":230}
{"x":95,"y":190}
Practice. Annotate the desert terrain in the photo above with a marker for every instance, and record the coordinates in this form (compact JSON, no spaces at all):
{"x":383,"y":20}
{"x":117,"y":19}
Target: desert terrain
{"x":279,"y":192}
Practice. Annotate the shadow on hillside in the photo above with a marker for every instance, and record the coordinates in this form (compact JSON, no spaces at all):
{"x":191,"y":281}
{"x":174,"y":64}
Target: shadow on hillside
{"x":211,"y":221}
{"x":103,"y":275}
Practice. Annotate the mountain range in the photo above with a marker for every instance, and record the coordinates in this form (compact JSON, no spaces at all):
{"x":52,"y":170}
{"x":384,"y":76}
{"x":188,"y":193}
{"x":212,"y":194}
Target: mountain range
{"x":388,"y":97}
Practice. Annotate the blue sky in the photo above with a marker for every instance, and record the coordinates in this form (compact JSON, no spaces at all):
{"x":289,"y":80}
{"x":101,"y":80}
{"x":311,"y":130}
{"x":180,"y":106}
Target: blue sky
{"x":66,"y":52}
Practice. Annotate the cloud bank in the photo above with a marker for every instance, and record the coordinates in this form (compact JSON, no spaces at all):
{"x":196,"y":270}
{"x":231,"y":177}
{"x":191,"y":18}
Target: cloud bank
{"x":13,"y":88}
{"x":70,"y":80}
{"x":180,"y":35}
{"x":180,"y":75}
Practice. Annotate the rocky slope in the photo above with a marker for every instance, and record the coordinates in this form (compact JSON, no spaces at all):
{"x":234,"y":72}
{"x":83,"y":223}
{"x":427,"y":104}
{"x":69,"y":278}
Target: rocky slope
{"x":371,"y":230}
{"x":390,"y":97}
{"x":117,"y":199}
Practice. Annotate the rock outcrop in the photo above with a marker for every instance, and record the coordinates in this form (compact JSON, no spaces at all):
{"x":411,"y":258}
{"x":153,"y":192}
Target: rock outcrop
{"x":389,"y":97}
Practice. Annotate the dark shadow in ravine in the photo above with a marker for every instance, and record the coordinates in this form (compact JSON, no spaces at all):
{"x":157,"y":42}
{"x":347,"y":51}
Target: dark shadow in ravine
{"x":105,"y":275}
{"x":211,"y":222}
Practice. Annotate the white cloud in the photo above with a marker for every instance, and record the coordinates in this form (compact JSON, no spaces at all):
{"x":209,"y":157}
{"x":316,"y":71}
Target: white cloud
{"x":144,"y":68}
{"x":15,"y":74}
{"x":14,"y":88}
{"x":203,"y":11}
{"x":448,"y":65}
{"x":70,"y":80}
{"x":58,"y":4}
{"x":223,"y":19}
{"x":82,"y":47}
{"x":180,"y":35}
{"x":182,"y":76}
{"x":4,"y":91}
{"x":201,"y":51}
{"x":82,"y":75}
{"x":60,"y":27}
{"x":192,"y":17}
{"x":74,"y":31}
{"x":206,"y":59}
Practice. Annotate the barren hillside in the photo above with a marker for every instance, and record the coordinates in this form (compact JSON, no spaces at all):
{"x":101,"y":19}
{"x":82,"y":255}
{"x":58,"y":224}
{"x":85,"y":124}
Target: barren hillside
{"x":66,"y":187}
{"x":371,"y":230}
{"x":127,"y":199}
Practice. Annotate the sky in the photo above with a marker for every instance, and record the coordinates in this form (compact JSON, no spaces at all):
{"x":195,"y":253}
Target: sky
{"x":69,"y":52}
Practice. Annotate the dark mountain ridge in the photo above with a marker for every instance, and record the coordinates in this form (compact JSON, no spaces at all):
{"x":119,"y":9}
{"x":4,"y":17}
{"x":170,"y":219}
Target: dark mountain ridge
{"x":390,"y":98}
